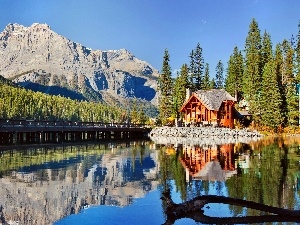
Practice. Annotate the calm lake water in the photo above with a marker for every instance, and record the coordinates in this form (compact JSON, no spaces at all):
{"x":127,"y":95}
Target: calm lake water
{"x":121,"y":182}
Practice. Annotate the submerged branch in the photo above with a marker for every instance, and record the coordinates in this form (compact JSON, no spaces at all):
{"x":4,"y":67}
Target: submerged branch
{"x":193,"y":209}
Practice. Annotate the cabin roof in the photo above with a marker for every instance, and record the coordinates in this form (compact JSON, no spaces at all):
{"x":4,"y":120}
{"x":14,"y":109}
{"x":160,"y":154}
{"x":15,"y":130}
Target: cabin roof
{"x":213,"y":98}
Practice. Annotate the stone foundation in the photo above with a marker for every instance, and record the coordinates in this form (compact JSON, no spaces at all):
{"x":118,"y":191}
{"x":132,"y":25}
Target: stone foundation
{"x":216,"y":135}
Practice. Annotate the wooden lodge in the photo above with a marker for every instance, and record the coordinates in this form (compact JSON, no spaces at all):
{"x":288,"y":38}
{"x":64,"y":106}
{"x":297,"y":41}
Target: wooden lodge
{"x":209,"y":107}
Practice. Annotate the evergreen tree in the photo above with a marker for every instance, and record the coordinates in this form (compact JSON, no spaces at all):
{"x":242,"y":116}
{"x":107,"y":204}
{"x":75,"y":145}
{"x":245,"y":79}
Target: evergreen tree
{"x":288,"y":84}
{"x":278,"y":60}
{"x":199,"y":66}
{"x":270,"y":99}
{"x":297,"y":56}
{"x":234,"y":78}
{"x":292,"y":42}
{"x":183,"y":84}
{"x":219,"y":75}
{"x":213,"y":84}
{"x":134,"y":113}
{"x":196,"y":68}
{"x":191,"y":83}
{"x":279,"y":64}
{"x":292,"y":105}
{"x":180,"y":86}
{"x":206,"y":78}
{"x":165,"y":85}
{"x":297,"y":70}
{"x":287,"y":66}
{"x":142,"y":118}
{"x":253,"y":72}
{"x":266,"y":49}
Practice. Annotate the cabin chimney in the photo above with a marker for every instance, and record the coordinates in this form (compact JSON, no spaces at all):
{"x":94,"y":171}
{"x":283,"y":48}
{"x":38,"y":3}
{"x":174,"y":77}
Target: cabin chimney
{"x":188,"y":93}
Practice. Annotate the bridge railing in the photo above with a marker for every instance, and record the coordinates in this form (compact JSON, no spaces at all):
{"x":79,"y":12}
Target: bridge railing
{"x":65,"y":124}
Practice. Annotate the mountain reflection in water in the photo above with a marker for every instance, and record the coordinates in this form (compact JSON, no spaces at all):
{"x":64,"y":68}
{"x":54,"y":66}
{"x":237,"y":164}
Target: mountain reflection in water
{"x":46,"y":184}
{"x":42,"y":184}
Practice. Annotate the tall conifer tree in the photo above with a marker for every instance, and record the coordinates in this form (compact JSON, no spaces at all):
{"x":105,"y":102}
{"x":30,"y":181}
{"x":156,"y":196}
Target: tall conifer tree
{"x":234,"y":78}
{"x":165,"y":85}
{"x":297,"y":67}
{"x":278,"y":60}
{"x":253,"y":72}
{"x":196,"y":68}
{"x":199,"y":67}
{"x":279,"y":64}
{"x":270,"y":99}
{"x":206,"y":78}
{"x":219,"y":75}
{"x":180,"y":86}
{"x":191,"y":75}
{"x":288,"y":84}
{"x":297,"y":57}
{"x":266,"y":49}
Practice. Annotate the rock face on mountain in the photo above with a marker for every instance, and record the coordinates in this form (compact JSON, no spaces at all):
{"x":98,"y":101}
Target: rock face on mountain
{"x":40,"y":59}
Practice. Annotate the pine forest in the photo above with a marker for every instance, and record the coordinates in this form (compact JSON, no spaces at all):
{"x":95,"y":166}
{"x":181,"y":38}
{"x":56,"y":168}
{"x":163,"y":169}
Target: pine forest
{"x":18,"y":103}
{"x":264,"y":76}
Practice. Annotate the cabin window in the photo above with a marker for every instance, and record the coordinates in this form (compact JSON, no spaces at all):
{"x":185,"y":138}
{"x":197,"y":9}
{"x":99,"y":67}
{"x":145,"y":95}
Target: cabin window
{"x":222,"y":112}
{"x":227,"y":111}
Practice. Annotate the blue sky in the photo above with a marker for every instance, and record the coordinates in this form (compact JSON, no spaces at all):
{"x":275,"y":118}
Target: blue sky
{"x":147,"y":27}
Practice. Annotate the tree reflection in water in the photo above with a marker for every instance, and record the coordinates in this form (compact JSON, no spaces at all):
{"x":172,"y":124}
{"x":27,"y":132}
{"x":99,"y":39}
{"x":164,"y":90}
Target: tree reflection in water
{"x":42,"y":184}
{"x":264,"y":172}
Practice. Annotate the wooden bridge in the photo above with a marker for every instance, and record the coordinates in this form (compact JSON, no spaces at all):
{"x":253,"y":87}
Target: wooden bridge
{"x":32,"y":131}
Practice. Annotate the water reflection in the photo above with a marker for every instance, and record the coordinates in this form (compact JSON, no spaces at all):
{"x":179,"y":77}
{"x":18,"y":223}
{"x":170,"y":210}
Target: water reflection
{"x":265,"y":171}
{"x":208,"y":162}
{"x":42,"y":184}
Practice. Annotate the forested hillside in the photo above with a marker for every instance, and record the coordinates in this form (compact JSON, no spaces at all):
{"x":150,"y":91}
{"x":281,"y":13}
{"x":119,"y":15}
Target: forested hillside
{"x":19,"y":103}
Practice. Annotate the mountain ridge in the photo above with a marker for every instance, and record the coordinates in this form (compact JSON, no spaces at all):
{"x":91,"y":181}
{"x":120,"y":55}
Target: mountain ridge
{"x":37,"y":55}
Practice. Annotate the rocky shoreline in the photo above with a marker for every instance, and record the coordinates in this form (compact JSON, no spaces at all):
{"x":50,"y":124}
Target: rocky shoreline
{"x":202,"y":135}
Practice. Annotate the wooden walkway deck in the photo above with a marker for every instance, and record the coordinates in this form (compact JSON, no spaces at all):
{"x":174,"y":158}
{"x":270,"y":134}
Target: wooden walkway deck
{"x":18,"y":131}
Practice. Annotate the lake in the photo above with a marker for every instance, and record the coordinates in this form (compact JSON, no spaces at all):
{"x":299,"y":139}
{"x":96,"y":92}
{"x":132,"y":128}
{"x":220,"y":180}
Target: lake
{"x":121,"y":182}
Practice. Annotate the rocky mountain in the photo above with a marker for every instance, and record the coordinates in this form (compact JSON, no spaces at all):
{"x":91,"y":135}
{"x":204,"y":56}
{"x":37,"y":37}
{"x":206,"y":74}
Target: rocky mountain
{"x":40,"y":59}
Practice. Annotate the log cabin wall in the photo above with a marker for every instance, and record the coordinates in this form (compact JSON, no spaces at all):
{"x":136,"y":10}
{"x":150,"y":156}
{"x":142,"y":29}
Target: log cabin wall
{"x":205,"y":112}
{"x":226,"y":114}
{"x":196,"y":112}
